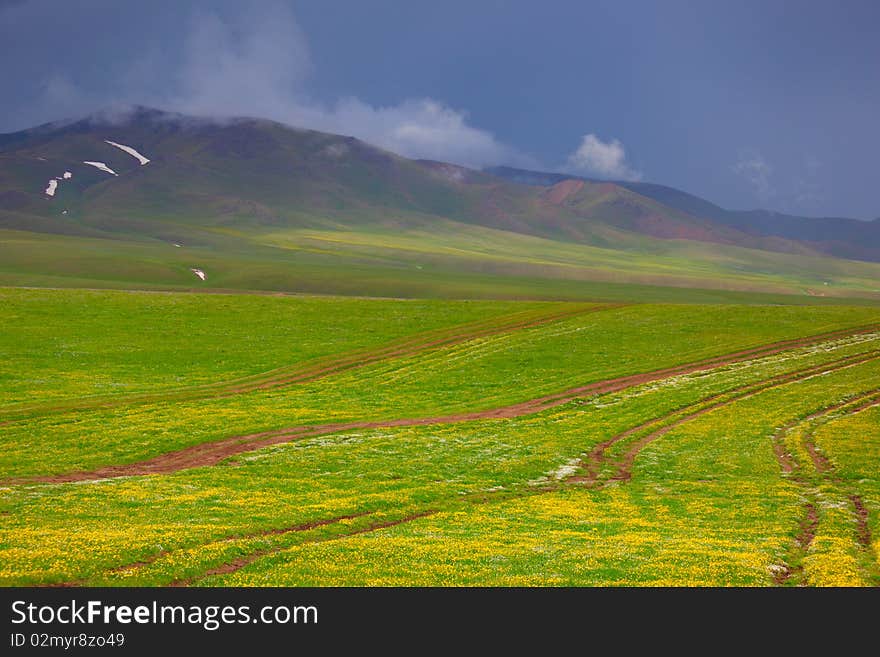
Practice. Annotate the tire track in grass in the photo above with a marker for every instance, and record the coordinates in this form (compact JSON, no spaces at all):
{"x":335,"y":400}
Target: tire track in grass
{"x":591,"y":466}
{"x":280,"y":531}
{"x":212,"y":453}
{"x":624,"y":469}
{"x":306,"y":372}
{"x":791,"y":571}
{"x":479,"y":497}
{"x":246,"y":560}
{"x":825,"y":468}
{"x":863,"y":531}
{"x":153,"y":558}
{"x":471,"y":498}
{"x":808,"y":526}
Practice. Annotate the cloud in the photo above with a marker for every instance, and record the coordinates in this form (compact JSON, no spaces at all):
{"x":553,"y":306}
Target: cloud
{"x":604,"y":159}
{"x":260,"y":65}
{"x":417,"y":128}
{"x":251,"y":63}
{"x":756,"y":171}
{"x":807,"y":190}
{"x":59,"y":90}
{"x":243,"y":62}
{"x":798,"y":187}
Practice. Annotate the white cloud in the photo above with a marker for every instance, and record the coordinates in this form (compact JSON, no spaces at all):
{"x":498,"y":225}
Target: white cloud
{"x":757,"y":172}
{"x":418,"y":128}
{"x":253,"y":60}
{"x":259,"y":65}
{"x":254,"y":64}
{"x":601,"y":158}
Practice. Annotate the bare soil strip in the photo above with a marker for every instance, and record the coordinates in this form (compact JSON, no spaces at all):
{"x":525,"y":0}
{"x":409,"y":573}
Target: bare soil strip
{"x":475,"y":498}
{"x":246,"y":560}
{"x":821,"y":463}
{"x":241,"y":562}
{"x":793,"y":574}
{"x":782,"y":575}
{"x":824,"y":467}
{"x":312,"y":524}
{"x":211,"y":453}
{"x":597,"y":457}
{"x":864,"y":530}
{"x":305,"y":372}
{"x":809,"y":525}
{"x":146,"y":561}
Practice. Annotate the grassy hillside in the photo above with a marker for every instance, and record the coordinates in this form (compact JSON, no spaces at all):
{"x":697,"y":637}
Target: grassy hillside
{"x":260,"y":206}
{"x":444,"y":262}
{"x":835,"y":236}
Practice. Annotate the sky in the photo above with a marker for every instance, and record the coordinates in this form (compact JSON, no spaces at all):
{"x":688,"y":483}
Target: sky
{"x":747,"y":103}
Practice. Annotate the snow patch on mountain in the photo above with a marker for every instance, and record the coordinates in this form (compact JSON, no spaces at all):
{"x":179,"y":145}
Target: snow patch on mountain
{"x":101,"y":166}
{"x":128,"y":149}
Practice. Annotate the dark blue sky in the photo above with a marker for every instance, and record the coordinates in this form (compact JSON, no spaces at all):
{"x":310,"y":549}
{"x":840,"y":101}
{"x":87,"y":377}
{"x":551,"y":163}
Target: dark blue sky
{"x":747,"y":103}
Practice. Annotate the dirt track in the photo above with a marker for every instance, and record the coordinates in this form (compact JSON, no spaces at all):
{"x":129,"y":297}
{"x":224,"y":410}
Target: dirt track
{"x":809,"y":524}
{"x":807,"y":530}
{"x":623,"y":472}
{"x":213,"y":452}
{"x":303,"y":373}
{"x":246,"y":560}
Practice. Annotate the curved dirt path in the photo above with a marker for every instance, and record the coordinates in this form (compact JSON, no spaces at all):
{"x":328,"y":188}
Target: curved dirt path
{"x":624,"y":468}
{"x":482,"y":497}
{"x":248,"y":559}
{"x":786,"y":573}
{"x":211,"y":453}
{"x":591,"y":465}
{"x":825,"y":467}
{"x":806,"y":533}
{"x":808,"y":527}
{"x":146,"y":561}
{"x":316,"y":369}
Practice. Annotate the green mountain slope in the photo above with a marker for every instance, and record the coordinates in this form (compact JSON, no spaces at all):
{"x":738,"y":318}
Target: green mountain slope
{"x":258,"y":205}
{"x":836,"y":236}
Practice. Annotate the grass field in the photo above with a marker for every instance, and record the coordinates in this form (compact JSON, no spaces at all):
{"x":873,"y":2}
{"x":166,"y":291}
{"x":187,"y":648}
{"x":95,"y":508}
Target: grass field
{"x":83,"y":343}
{"x":444,"y":260}
{"x":173,"y":438}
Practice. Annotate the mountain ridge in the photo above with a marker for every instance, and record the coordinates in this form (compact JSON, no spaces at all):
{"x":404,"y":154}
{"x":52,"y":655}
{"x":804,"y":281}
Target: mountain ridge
{"x":253,"y":186}
{"x":839,"y":236}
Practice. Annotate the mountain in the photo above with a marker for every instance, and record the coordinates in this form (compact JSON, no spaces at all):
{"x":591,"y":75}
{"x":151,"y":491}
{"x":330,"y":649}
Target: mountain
{"x":837,"y":236}
{"x":254,"y":172}
{"x":143,"y":197}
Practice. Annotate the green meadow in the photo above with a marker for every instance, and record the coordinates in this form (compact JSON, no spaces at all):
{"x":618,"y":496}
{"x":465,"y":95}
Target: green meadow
{"x":447,"y":260}
{"x":675,"y":444}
